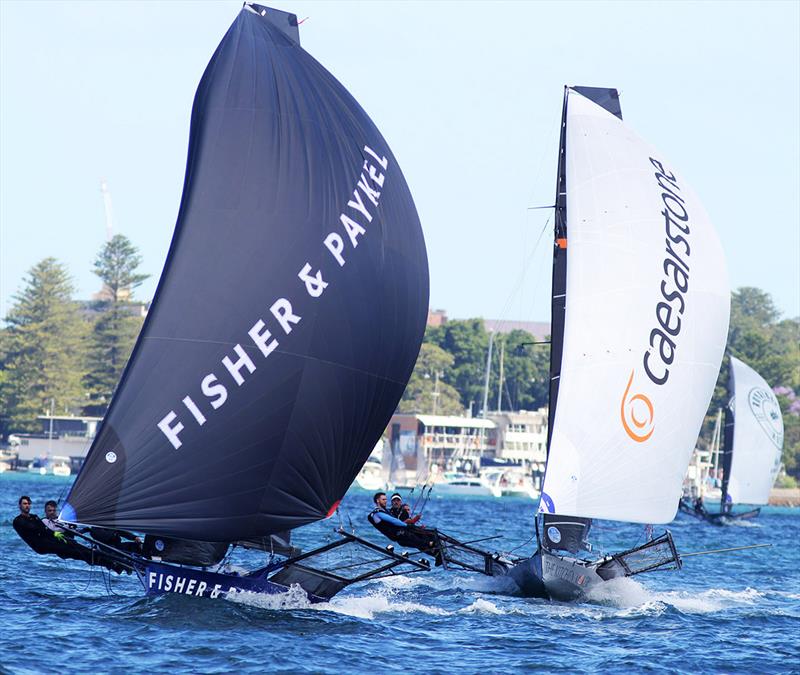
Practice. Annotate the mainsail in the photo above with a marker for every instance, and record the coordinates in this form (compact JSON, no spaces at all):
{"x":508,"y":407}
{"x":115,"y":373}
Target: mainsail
{"x":753,"y":437}
{"x":289,"y":313}
{"x":640,"y":321}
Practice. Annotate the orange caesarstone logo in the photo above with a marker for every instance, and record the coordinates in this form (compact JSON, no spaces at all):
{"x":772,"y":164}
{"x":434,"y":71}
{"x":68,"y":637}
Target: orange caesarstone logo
{"x":637,"y":414}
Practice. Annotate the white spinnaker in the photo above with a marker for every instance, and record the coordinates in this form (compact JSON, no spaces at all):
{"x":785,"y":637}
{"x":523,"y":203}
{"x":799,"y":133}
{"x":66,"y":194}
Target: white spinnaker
{"x":757,"y":437}
{"x":617,"y":247}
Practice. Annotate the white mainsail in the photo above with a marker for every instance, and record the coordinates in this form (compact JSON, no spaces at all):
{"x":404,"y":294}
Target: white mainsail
{"x":647,"y":309}
{"x":757,"y":436}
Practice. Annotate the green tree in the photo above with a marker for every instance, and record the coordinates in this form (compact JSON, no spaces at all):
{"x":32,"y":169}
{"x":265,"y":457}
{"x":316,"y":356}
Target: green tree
{"x":428,"y":390}
{"x":770,"y":346}
{"x":526,"y":371}
{"x":467,"y":341}
{"x":41,"y":349}
{"x":118,"y":323}
{"x":116,"y":265}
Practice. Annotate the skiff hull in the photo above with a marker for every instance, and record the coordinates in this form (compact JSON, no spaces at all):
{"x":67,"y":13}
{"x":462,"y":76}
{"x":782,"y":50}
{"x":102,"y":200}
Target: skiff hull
{"x":553,"y":577}
{"x":722,"y":518}
{"x":162,"y":579}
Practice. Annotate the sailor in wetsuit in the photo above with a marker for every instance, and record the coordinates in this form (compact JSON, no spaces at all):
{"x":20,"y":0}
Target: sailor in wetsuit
{"x":405,"y":534}
{"x":50,"y":521}
{"x":45,"y":541}
{"x":402,"y":511}
{"x":699,"y":507}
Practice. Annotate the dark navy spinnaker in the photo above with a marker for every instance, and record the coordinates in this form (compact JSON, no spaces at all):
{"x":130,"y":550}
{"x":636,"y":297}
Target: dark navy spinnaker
{"x":284,"y":329}
{"x":288,"y":317}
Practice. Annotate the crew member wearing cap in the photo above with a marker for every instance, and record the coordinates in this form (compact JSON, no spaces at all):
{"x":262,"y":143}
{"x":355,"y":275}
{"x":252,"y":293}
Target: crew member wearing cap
{"x":402,"y":511}
{"x":405,"y":534}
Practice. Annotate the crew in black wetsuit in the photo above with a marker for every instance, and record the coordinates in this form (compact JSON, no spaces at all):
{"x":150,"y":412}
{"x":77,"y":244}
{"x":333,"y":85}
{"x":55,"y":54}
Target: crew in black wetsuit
{"x":699,"y":507}
{"x":44,"y":541}
{"x":407,"y":535}
{"x":402,"y":511}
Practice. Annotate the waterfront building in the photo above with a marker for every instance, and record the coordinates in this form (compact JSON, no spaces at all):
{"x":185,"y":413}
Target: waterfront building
{"x":521,"y":441}
{"x":60,"y":435}
{"x":521,"y":437}
{"x":421,"y":446}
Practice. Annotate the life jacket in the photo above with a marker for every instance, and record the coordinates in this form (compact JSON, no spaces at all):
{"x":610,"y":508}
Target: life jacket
{"x":401,"y":512}
{"x":386,"y":529}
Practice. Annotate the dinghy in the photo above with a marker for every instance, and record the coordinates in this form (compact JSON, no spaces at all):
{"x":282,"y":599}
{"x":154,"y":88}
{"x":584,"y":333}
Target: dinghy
{"x":640,"y":312}
{"x":752,"y":447}
{"x":285,"y":326}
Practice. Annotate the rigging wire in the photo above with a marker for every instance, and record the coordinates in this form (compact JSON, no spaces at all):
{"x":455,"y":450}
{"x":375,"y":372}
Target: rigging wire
{"x":425,"y":501}
{"x":521,"y":278}
{"x":416,"y":503}
{"x":524,"y":543}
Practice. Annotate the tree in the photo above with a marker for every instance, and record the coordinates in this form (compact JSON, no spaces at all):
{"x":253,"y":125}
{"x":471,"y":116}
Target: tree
{"x":428,"y":390}
{"x":41,"y":349}
{"x":467,"y":341}
{"x":117,"y":325}
{"x":116,"y":265}
{"x":526,"y":372}
{"x":771,"y":347}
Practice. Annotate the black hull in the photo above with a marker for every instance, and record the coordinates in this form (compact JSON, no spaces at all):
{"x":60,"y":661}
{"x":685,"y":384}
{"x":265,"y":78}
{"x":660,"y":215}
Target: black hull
{"x":553,"y":577}
{"x":561,"y":577}
{"x":721,"y":518}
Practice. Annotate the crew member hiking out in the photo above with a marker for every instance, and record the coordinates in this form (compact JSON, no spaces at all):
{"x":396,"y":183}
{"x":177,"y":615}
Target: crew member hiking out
{"x":406,"y":534}
{"x":402,"y":511}
{"x":45,"y":541}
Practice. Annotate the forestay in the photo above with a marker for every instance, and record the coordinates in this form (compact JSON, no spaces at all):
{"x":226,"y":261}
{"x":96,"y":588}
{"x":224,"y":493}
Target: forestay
{"x":647,"y":308}
{"x":288,"y":317}
{"x":757,"y":436}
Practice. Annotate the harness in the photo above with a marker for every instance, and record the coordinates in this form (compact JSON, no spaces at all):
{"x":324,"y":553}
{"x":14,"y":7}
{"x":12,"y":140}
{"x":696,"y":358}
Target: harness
{"x":386,"y":529}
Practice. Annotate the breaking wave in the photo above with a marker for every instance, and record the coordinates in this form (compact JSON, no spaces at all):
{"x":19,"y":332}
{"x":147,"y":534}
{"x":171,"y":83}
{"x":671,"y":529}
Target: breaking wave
{"x":633,"y":598}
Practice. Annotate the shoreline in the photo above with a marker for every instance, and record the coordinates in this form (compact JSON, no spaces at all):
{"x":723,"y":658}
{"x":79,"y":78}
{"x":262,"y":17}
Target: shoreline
{"x":784,"y":497}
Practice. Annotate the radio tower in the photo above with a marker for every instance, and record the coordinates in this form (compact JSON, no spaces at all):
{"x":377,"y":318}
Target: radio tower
{"x":105,"y":293}
{"x":107,"y":204}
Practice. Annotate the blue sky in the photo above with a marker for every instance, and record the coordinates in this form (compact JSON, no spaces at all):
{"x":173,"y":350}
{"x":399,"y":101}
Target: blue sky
{"x":468,"y":95}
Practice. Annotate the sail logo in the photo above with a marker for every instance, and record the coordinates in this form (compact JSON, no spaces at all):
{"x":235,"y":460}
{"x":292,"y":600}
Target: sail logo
{"x":546,"y":504}
{"x":669,"y":309}
{"x":340,"y":244}
{"x":637,"y":414}
{"x":767,"y":411}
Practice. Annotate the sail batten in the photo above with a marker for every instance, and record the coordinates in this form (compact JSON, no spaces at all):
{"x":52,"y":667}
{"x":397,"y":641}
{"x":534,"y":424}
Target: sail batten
{"x":645,"y":324}
{"x":289,"y":314}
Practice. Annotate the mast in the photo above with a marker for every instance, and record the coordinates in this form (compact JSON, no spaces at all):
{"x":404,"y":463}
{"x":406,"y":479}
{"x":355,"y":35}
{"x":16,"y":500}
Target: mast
{"x":715,"y":441}
{"x":500,"y":384}
{"x":488,"y":373}
{"x":559,"y":289}
{"x":727,"y":441}
{"x":609,"y":100}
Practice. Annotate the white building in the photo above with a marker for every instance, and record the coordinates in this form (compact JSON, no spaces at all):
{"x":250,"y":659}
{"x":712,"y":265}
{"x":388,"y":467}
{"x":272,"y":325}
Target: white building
{"x":423,"y":444}
{"x":61,"y":435}
{"x":521,"y":436}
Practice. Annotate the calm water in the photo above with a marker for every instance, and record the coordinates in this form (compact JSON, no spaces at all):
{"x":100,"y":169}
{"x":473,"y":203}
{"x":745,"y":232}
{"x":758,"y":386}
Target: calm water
{"x":726,"y":613}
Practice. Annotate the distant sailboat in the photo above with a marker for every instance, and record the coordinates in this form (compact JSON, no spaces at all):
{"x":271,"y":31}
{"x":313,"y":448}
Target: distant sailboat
{"x":639,"y":320}
{"x":285,"y":327}
{"x":752,"y":447}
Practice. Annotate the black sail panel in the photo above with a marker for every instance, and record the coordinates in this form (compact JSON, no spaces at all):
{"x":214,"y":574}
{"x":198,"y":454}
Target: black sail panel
{"x":604,"y":97}
{"x":288,"y":317}
{"x":729,"y":424}
{"x":559,"y":284}
{"x":608,"y":99}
